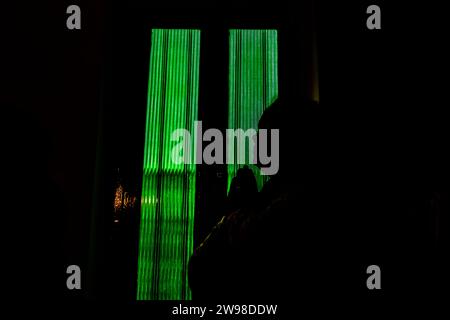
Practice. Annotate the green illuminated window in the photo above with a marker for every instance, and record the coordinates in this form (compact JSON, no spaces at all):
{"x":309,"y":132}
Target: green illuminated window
{"x":253,"y":83}
{"x":168,"y":189}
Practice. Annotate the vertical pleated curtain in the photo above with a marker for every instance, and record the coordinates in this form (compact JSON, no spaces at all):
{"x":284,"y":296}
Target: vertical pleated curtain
{"x":253,"y":84}
{"x":168,"y":189}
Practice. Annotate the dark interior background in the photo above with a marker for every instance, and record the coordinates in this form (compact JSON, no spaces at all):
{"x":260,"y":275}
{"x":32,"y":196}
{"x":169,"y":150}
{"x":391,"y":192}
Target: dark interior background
{"x":75,"y":108}
{"x":123,"y":112}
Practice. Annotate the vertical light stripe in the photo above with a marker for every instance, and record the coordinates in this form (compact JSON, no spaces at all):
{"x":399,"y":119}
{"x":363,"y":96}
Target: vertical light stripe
{"x":252,"y":83}
{"x":168,"y":189}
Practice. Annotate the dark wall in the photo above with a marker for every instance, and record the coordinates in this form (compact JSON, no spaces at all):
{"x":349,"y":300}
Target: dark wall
{"x":51,"y":100}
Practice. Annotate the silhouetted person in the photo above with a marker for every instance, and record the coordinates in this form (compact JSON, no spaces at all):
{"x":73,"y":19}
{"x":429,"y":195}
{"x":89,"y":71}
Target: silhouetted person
{"x":253,"y":252}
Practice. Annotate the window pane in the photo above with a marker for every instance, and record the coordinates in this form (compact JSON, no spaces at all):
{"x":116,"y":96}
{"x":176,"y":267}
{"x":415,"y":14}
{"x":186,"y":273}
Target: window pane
{"x":168,"y":189}
{"x":253,"y":83}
